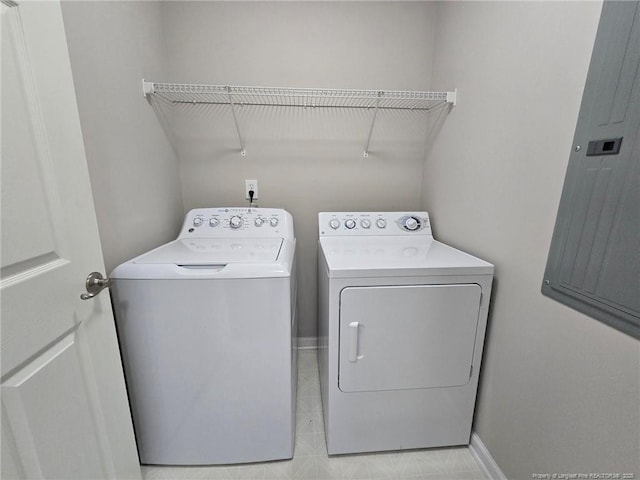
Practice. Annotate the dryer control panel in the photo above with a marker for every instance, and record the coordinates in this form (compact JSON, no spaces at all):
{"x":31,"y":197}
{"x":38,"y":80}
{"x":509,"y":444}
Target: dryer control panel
{"x":373,"y":223}
{"x":237,"y":222}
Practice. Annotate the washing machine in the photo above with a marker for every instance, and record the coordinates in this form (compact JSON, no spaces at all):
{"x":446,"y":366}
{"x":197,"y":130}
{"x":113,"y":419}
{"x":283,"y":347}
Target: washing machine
{"x":207,"y":331}
{"x":402,"y":320}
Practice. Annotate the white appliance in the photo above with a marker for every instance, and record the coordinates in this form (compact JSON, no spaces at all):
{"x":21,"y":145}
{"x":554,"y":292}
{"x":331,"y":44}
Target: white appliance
{"x":402,"y":321}
{"x":207,"y":329}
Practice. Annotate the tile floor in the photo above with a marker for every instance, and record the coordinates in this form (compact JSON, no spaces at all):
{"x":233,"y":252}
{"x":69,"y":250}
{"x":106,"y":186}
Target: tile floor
{"x":311,"y":462}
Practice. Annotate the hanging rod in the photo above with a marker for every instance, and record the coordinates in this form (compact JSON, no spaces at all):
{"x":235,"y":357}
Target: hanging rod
{"x":298,"y":97}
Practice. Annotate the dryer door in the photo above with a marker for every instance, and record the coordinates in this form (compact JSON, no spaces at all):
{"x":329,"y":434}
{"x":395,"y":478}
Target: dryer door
{"x":402,"y":337}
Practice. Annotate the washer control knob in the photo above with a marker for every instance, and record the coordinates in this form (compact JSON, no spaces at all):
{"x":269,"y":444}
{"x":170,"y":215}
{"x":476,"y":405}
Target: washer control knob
{"x":381,"y":223}
{"x":334,"y":223}
{"x":235,"y":222}
{"x":197,"y":222}
{"x":214,"y":222}
{"x":258,"y":222}
{"x":350,"y":223}
{"x":411,"y":223}
{"x":274,"y":221}
{"x":365,"y":223}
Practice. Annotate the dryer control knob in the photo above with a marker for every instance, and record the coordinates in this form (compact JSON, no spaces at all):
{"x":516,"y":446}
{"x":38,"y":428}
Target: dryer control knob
{"x":334,"y":224}
{"x":411,"y":223}
{"x":350,"y":223}
{"x":274,"y":222}
{"x":365,"y":223}
{"x":235,"y":221}
{"x":381,"y":223}
{"x":214,"y":222}
{"x":258,"y":222}
{"x":197,"y":222}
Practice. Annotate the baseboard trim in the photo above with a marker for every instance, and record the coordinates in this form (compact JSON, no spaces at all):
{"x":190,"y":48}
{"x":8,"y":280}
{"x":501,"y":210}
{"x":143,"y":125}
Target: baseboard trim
{"x":307,"y":343}
{"x":481,"y":454}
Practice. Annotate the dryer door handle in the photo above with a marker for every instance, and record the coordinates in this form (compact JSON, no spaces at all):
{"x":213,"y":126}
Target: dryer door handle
{"x":353,"y":346}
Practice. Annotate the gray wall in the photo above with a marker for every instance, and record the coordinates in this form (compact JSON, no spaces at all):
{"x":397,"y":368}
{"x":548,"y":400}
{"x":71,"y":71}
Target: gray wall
{"x":559,"y":391}
{"x":305,"y":161}
{"x":133,"y":168}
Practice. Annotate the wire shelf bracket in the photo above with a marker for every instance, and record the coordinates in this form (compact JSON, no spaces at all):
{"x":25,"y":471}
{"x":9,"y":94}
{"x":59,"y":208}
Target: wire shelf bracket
{"x":373,"y":122}
{"x":243,"y":152}
{"x":298,"y":97}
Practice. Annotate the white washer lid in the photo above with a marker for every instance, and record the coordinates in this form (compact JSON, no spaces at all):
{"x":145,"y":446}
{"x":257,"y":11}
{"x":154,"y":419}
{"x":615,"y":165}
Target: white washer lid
{"x":214,"y":251}
{"x":371,"y":256}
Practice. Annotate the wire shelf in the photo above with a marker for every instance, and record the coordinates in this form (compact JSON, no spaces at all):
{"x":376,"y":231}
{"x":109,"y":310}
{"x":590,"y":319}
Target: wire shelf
{"x":298,"y":97}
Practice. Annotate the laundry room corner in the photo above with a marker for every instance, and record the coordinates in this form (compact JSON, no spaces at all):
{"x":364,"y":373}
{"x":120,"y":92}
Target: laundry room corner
{"x":133,"y":167}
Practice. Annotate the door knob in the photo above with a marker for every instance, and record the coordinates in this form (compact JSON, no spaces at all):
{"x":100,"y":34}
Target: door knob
{"x":95,"y":284}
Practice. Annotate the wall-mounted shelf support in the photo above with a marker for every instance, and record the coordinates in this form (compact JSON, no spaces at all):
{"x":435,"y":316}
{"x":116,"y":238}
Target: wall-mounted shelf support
{"x":373,"y":122}
{"x":147,"y":88}
{"x":298,"y":97}
{"x":452,"y":97}
{"x":243,"y":152}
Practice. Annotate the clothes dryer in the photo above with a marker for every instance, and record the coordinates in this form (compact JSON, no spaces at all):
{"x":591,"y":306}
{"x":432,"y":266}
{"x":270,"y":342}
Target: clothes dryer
{"x":207,"y":330}
{"x":402,"y":319}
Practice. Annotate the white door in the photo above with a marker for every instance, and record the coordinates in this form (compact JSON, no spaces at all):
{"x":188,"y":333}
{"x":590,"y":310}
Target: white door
{"x":411,"y":336}
{"x":64,"y":407}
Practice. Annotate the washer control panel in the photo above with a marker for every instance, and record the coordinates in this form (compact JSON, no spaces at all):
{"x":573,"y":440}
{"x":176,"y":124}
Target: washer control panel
{"x":373,"y":223}
{"x":237,"y":222}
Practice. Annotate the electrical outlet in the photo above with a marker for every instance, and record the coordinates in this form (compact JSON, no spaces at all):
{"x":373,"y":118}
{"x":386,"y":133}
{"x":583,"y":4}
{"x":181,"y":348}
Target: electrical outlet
{"x":250,"y":185}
